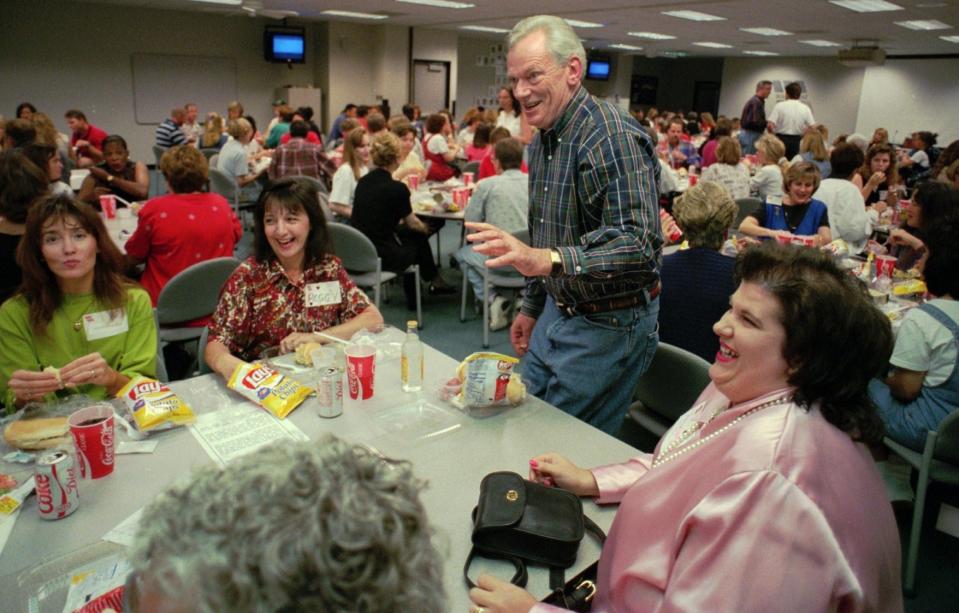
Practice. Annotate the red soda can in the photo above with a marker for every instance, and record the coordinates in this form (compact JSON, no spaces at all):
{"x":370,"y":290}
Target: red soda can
{"x":675,"y":234}
{"x":58,"y":491}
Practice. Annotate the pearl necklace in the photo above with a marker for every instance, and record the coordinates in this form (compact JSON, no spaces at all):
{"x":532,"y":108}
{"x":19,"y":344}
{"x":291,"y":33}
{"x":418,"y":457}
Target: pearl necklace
{"x":670,"y":455}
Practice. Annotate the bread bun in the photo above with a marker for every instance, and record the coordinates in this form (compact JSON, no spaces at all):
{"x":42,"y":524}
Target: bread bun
{"x":303,"y":353}
{"x":515,"y":389}
{"x":41,"y":433}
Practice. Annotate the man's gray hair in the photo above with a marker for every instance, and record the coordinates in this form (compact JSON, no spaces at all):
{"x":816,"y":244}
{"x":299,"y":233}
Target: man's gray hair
{"x":762,"y":84}
{"x":561,"y":41}
{"x":318,"y":526}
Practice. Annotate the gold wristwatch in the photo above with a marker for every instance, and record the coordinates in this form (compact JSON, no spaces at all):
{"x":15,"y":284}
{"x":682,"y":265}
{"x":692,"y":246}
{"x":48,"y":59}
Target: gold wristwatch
{"x":557,"y":263}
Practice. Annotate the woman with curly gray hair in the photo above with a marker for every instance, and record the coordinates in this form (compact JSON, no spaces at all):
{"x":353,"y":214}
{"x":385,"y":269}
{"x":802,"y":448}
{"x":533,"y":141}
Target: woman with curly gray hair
{"x":697,"y":282}
{"x":320,"y":526}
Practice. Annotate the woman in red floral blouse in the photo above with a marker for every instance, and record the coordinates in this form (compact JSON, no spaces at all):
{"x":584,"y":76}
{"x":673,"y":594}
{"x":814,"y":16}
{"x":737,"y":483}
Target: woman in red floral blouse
{"x":292,"y":287}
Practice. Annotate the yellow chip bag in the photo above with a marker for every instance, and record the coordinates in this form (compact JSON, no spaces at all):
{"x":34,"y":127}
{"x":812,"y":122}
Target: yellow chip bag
{"x":907,"y":288}
{"x":488,"y":380}
{"x":276,"y":393}
{"x":154,"y":404}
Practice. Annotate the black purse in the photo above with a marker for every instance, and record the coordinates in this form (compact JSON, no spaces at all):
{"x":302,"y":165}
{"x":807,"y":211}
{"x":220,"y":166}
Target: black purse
{"x":524,"y":522}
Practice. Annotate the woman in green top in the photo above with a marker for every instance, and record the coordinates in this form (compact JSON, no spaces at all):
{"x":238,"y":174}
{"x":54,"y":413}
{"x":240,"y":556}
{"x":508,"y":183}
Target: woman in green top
{"x":74,"y":311}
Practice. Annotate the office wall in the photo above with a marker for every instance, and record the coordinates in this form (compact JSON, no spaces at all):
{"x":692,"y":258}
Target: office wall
{"x":617,"y":87}
{"x":906,"y":96}
{"x":62,"y":55}
{"x":440,"y":45}
{"x":677,"y":78}
{"x":834,"y":90}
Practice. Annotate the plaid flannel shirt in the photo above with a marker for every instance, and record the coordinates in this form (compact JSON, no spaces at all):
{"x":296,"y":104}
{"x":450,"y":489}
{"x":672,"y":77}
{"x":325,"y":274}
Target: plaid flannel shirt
{"x":299,"y":157}
{"x":594,"y":198}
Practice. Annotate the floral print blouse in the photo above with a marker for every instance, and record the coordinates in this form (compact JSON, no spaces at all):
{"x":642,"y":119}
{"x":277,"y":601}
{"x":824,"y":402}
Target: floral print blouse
{"x":259,"y":305}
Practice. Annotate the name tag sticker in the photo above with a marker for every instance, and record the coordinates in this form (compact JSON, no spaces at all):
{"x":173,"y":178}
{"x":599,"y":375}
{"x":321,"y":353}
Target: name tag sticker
{"x":105,"y":324}
{"x":323,"y":294}
{"x":776,"y":200}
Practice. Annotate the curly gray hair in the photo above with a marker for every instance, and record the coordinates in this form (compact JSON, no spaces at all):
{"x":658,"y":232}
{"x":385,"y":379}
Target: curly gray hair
{"x":324,"y":526}
{"x":705,"y":211}
{"x":561,"y":41}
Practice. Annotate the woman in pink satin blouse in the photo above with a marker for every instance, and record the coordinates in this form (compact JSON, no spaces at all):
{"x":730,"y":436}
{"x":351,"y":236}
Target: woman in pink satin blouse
{"x":763,"y":496}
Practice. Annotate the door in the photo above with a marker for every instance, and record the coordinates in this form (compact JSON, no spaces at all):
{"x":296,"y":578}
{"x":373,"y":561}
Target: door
{"x":706,"y":97}
{"x":431,"y":85}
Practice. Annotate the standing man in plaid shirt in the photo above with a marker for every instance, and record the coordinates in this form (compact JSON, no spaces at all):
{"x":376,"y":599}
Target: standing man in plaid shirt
{"x":298,"y":157}
{"x":587,"y":328}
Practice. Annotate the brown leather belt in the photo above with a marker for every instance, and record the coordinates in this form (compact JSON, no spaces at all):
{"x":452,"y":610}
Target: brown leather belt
{"x":612,"y":304}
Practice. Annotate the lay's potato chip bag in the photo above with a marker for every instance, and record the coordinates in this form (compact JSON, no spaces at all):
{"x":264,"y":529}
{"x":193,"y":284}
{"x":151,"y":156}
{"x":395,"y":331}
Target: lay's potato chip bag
{"x":153,"y":404}
{"x":276,"y":393}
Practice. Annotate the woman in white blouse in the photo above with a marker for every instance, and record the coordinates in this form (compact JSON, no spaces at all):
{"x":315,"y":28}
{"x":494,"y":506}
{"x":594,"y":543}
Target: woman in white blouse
{"x":511,"y":118}
{"x":356,"y":163}
{"x":727,"y":171}
{"x":768,"y":180}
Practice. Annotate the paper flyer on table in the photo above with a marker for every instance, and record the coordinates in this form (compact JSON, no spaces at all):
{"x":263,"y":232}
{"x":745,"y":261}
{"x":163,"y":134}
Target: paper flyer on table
{"x":232,"y":432}
{"x":124,"y":532}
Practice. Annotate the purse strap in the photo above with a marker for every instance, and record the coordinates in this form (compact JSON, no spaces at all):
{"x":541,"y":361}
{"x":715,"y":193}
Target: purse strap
{"x":557,"y":574}
{"x":519,"y":578}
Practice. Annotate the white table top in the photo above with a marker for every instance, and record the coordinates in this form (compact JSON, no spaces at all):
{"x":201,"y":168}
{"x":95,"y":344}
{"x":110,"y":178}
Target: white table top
{"x":77,"y":175}
{"x":121,"y":227}
{"x":451,"y":450}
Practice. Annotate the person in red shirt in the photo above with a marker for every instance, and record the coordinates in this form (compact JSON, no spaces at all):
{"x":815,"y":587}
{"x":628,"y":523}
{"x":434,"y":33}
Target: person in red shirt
{"x":178,"y":230}
{"x":486,"y":168}
{"x":86,"y":137}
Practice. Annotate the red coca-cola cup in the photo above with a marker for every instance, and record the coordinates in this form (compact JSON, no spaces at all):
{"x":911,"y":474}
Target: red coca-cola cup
{"x":693,"y":179}
{"x":360,"y":369}
{"x":784,"y":239}
{"x":108,"y":204}
{"x":885,"y":265}
{"x":468,"y":178}
{"x":809,"y":241}
{"x":94,"y":432}
{"x":414,"y":181}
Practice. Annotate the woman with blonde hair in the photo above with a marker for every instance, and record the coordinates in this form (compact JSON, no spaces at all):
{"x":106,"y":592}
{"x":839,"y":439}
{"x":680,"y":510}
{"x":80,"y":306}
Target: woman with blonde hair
{"x":768,"y":180}
{"x":697,"y":282}
{"x":795,"y":214}
{"x":356,"y":163}
{"x":728,"y":171}
{"x":812,"y":148}
{"x":213,"y":136}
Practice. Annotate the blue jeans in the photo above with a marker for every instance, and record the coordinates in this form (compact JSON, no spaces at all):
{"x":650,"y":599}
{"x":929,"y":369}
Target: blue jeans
{"x":747,"y":140}
{"x":588,"y":365}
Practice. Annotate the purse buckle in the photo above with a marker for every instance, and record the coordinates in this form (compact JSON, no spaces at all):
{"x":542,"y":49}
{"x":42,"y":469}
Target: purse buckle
{"x":590,"y":587}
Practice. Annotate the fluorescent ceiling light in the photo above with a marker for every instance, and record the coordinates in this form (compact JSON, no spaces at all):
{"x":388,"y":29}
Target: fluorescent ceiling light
{"x":924,"y":24}
{"x":867,"y":6}
{"x":625,"y":47}
{"x":230,"y":2}
{"x":950,"y":39}
{"x":760,"y":53}
{"x":485,"y":29}
{"x":443,"y":4}
{"x":713,"y":45}
{"x":651,"y":35}
{"x":582,"y":24}
{"x":672,"y":53}
{"x":355,"y":15}
{"x":930,"y":5}
{"x":820,"y":43}
{"x":694,"y":15}
{"x":766,"y":31}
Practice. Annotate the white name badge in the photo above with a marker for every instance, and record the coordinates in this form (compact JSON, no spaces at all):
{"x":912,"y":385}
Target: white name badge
{"x":775,"y":200}
{"x":323,"y":294}
{"x":105,"y":324}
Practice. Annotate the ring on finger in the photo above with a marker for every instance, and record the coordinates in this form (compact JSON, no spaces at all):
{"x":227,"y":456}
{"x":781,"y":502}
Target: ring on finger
{"x":479,"y":610}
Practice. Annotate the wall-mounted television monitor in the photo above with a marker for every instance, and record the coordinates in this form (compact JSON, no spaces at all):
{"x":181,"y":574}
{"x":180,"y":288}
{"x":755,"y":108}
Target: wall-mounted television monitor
{"x":598,"y":68}
{"x":285,"y":45}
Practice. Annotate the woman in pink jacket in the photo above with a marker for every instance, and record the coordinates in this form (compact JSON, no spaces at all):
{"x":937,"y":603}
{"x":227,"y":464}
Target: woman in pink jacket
{"x":762,"y":497}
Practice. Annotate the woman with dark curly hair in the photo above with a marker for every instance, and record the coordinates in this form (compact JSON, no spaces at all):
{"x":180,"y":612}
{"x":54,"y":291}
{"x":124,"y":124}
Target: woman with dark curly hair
{"x":323,"y":526}
{"x":761,"y":497}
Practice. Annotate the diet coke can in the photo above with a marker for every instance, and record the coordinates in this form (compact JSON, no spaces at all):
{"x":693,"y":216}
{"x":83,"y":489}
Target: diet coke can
{"x":58,"y":492}
{"x":329,"y":392}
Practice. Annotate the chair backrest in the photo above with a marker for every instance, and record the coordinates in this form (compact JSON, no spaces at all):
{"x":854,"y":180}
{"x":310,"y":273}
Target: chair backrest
{"x":209,"y":152}
{"x":354,"y":248}
{"x":673,"y":381}
{"x":158,"y":152}
{"x":471,"y":167}
{"x":222,"y":183}
{"x":947,"y":441}
{"x":195,"y":291}
{"x":318,"y":184}
{"x":746,"y":207}
{"x":506,"y":275}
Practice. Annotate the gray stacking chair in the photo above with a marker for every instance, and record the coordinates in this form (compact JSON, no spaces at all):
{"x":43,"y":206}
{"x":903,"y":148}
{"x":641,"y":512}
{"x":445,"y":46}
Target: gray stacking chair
{"x":506,"y":277}
{"x":365,"y":266}
{"x":746,"y":206}
{"x":668,"y":388}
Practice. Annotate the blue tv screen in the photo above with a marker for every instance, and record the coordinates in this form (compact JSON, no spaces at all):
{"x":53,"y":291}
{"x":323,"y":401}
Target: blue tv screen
{"x":598,"y":69}
{"x":285,"y":45}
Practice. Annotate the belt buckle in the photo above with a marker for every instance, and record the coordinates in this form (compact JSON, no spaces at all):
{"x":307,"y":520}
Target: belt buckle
{"x":568,"y":310}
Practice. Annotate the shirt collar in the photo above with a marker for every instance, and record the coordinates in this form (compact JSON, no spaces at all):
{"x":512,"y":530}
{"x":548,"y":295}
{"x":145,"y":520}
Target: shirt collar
{"x":551,"y":136}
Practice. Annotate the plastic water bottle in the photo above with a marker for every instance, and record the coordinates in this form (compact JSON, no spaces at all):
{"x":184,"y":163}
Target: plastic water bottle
{"x":411,"y":362}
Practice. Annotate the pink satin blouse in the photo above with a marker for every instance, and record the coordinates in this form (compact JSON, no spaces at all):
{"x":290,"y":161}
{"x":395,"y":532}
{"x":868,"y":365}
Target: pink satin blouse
{"x":779,"y":512}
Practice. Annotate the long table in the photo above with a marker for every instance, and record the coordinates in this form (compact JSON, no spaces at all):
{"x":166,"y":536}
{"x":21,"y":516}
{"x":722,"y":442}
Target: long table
{"x":448,"y":448}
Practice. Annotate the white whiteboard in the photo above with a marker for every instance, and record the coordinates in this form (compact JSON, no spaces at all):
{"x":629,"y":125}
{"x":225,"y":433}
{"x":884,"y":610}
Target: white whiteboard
{"x":162,"y":82}
{"x":906,"y":96}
